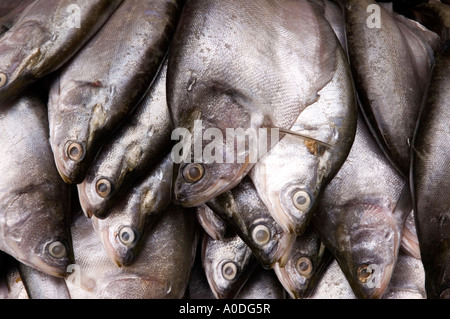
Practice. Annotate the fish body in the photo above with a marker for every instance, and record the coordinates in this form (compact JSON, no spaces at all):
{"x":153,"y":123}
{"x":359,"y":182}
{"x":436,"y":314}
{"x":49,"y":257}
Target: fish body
{"x":291,"y":177}
{"x":139,"y":144}
{"x":391,"y":59}
{"x":228,"y":264}
{"x":124,"y":232}
{"x":362,"y":214}
{"x":87,"y":104}
{"x":39,"y":285}
{"x":45,"y":36}
{"x":34,"y":201}
{"x":429,"y":180}
{"x":241,"y":66}
{"x":161,"y":271}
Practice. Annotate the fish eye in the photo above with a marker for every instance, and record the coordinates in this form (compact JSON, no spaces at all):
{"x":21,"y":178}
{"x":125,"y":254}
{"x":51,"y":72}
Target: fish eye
{"x":126,"y":235}
{"x":75,"y":151}
{"x":301,"y":200}
{"x":57,"y":249}
{"x":229,"y":271}
{"x":3,"y":79}
{"x":364,"y":272}
{"x":261,"y":235}
{"x":103,"y":187}
{"x":304,"y":266}
{"x":193,"y":172}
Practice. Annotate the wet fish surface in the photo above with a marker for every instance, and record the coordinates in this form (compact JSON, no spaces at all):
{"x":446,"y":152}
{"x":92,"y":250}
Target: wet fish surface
{"x":34,"y":201}
{"x":429,"y":179}
{"x":391,"y":63}
{"x":139,"y":144}
{"x":87,"y":104}
{"x":45,"y":36}
{"x":362,"y":215}
{"x":241,"y":65}
{"x":161,"y":271}
{"x":132,"y":218}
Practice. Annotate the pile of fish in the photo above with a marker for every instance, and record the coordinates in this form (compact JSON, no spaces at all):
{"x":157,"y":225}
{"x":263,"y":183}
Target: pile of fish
{"x":207,"y":149}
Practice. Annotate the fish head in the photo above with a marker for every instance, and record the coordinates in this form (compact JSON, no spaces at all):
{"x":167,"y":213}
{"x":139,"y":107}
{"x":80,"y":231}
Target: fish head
{"x":293,"y":206}
{"x":77,"y":126}
{"x":270,"y":244}
{"x":217,"y":152}
{"x":228,"y":264}
{"x":368,"y":248}
{"x":41,"y":240}
{"x":121,"y":235}
{"x":304,"y":268}
{"x":16,"y":69}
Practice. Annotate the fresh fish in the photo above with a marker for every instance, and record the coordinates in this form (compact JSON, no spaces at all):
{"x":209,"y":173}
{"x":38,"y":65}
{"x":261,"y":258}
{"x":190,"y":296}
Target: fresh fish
{"x":308,"y":261}
{"x":430,"y":179}
{"x":42,"y":286}
{"x":138,"y":145}
{"x":228,"y":263}
{"x":161,"y":271}
{"x":361,"y":216}
{"x":34,"y":201}
{"x":408,"y":279}
{"x":87,"y":104}
{"x":47,"y":34}
{"x":335,"y":17}
{"x":135,"y":213}
{"x":291,"y":177}
{"x":245,"y":213}
{"x":212,"y":224}
{"x":391,"y":63}
{"x":262,"y":284}
{"x":247,"y":67}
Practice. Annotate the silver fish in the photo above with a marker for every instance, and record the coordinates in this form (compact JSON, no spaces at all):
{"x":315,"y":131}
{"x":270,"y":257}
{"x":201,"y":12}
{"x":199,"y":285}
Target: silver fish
{"x":361,"y":216}
{"x":87,"y":104}
{"x":242,"y":209}
{"x":161,"y":271}
{"x":47,"y":34}
{"x":139,"y":144}
{"x":430,"y":179}
{"x":228,"y":263}
{"x":408,"y":279}
{"x":132,"y":218}
{"x":241,"y":65}
{"x":291,"y":177}
{"x":308,"y":261}
{"x":42,"y":286}
{"x":34,"y":201}
{"x":391,"y":63}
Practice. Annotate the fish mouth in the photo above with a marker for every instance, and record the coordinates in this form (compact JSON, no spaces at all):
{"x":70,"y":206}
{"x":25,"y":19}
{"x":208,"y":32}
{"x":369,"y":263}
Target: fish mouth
{"x":83,"y":198}
{"x":284,"y":249}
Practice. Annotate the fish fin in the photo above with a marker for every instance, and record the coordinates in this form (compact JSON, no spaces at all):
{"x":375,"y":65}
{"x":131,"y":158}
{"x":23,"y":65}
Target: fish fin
{"x":303,"y":136}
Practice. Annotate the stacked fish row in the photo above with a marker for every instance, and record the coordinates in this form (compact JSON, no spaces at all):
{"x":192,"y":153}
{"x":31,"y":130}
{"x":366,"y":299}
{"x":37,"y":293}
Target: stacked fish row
{"x":119,"y":180}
